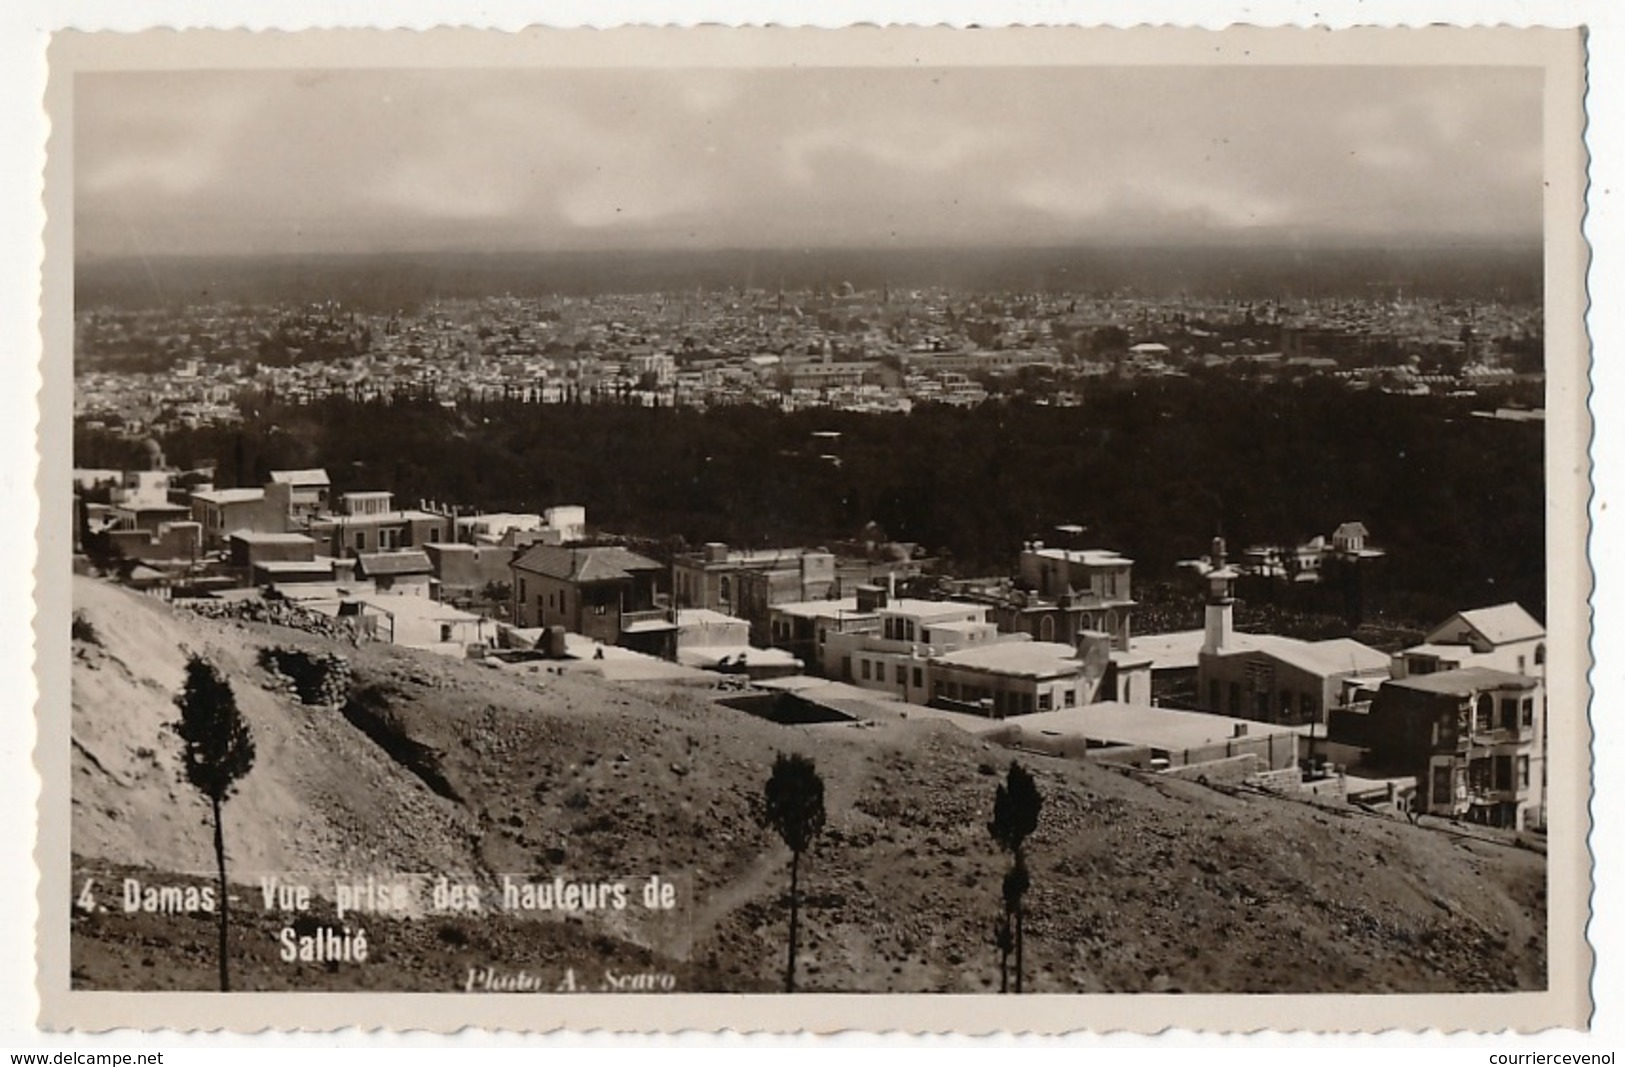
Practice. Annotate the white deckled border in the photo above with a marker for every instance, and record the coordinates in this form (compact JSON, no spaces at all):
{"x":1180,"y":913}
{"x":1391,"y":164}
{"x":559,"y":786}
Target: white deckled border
{"x":1566,"y":442}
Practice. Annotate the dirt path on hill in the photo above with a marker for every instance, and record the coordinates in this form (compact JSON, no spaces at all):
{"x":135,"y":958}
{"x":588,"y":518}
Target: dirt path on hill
{"x":767,"y":873}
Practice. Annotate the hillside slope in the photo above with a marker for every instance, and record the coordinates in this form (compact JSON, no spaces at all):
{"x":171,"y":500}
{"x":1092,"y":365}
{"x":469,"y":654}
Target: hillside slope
{"x":445,"y":766}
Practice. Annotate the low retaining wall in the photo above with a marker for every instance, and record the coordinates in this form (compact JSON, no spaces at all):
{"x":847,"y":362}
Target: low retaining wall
{"x":1233,"y":769}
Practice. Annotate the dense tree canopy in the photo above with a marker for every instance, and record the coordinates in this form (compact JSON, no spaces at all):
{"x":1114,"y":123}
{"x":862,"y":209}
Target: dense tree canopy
{"x":1153,"y":468}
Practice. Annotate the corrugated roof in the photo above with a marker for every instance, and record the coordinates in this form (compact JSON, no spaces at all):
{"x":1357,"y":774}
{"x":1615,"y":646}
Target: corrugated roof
{"x":256,"y":537}
{"x":602,"y":563}
{"x":380,"y":564}
{"x":308,"y":476}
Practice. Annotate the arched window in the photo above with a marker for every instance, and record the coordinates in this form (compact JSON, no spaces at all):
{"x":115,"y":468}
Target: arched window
{"x":1540,"y":655}
{"x":1046,"y":628}
{"x":725,"y":590}
{"x":1485,"y":719}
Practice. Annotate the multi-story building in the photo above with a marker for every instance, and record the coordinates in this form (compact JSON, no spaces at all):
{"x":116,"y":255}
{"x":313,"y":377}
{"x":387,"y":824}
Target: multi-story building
{"x":249,"y":549}
{"x":604,"y":592}
{"x":1474,"y":739}
{"x":308,"y":491}
{"x":1072,"y":591}
{"x":223,"y":512}
{"x":884,"y":644}
{"x":1016,"y":676}
{"x":747,"y":583}
{"x":466,"y":571}
{"x":369,"y":522}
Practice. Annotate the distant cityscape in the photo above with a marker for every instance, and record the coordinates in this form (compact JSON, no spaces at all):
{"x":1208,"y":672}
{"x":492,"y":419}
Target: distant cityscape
{"x":154,"y":369}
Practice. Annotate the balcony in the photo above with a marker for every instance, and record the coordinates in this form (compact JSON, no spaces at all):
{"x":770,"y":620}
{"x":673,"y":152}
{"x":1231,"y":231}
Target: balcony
{"x":1497,"y":796}
{"x":1500,"y":735}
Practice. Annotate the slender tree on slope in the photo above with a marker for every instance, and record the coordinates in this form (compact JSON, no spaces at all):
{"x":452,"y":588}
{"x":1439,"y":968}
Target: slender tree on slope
{"x":794,"y":806}
{"x":1004,"y":940}
{"x":219,"y":751}
{"x":1015,"y":817}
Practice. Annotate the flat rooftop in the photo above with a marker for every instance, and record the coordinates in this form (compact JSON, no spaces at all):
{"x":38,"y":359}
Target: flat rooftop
{"x":1031,"y":659}
{"x":647,"y":626}
{"x":274,"y":567}
{"x":228,"y":496}
{"x":499,"y":517}
{"x":253,"y":537}
{"x":1171,"y":651}
{"x":1114,"y":722}
{"x":708,"y":656}
{"x":821,"y":609}
{"x":704,"y":616}
{"x":931,"y":609}
{"x":151,"y":506}
{"x":1093,"y":557}
{"x":1463,"y":681}
{"x":418,"y":608}
{"x":960,"y":626}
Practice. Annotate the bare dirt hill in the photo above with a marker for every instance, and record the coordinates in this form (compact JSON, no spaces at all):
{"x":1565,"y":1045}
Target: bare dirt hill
{"x":318,"y":798}
{"x":442,"y":765}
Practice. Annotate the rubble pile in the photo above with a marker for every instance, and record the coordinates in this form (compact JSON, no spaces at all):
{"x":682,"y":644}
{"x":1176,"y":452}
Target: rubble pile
{"x":277,"y":613}
{"x":322,"y":679}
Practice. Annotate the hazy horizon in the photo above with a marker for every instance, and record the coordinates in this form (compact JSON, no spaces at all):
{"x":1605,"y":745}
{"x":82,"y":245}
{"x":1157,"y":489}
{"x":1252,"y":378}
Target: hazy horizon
{"x":1484,"y":271}
{"x":206,"y":163}
{"x":1252,"y":243}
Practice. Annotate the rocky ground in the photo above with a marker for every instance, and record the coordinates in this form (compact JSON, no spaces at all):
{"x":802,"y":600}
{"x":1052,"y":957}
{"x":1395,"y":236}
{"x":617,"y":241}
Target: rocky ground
{"x":447,"y":767}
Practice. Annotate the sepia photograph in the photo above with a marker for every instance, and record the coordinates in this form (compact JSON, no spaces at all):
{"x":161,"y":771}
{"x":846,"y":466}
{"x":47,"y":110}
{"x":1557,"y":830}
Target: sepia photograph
{"x":1070,"y":512}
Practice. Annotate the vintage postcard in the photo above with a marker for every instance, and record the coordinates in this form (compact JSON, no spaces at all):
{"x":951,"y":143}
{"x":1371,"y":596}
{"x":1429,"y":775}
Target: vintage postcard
{"x":768,"y":529}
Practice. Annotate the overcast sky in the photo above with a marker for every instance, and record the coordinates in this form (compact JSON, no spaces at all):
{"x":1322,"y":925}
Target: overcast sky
{"x":211,"y":162}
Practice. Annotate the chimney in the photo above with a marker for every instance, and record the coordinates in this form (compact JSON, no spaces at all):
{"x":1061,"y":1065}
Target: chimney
{"x":870,"y":598}
{"x":280,"y":496}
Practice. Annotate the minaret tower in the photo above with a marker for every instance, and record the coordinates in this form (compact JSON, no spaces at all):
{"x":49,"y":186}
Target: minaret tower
{"x":1221,"y":584}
